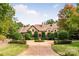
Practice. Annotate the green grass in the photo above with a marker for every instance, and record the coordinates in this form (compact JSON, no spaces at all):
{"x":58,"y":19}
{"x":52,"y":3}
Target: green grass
{"x":12,"y":49}
{"x":75,"y":44}
{"x":67,"y":49}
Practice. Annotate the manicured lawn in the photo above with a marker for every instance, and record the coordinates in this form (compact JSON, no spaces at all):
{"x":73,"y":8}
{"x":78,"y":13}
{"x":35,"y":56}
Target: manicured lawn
{"x":12,"y":49}
{"x":67,"y":49}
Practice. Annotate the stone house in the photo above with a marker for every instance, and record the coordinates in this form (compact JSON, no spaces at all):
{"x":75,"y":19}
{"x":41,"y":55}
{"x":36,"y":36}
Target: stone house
{"x":39,"y":28}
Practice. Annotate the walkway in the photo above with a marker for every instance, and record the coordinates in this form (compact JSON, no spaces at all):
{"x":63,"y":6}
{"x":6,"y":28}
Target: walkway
{"x":39,"y":49}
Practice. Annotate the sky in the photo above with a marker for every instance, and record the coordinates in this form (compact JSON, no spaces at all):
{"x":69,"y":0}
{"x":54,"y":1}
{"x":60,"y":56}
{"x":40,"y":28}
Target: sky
{"x":36,"y":13}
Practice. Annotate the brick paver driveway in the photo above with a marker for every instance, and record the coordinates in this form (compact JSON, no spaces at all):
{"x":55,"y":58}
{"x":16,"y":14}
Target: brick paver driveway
{"x":39,"y":49}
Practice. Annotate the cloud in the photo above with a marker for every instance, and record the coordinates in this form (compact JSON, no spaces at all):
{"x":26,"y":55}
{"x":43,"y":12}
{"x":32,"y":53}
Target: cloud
{"x":26,"y":15}
{"x":24,"y":10}
{"x":29,"y":16}
{"x":56,"y":5}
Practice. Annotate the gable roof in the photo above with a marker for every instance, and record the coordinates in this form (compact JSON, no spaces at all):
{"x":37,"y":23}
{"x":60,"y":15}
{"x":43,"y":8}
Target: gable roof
{"x":38,"y":27}
{"x":24,"y":29}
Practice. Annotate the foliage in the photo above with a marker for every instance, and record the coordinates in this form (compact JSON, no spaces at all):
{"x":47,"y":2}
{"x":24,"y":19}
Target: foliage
{"x":2,"y":37}
{"x":7,"y":23}
{"x":55,"y":35}
{"x":63,"y":35}
{"x":73,"y":23}
{"x":67,"y":49}
{"x":50,"y":21}
{"x":18,"y":42}
{"x":16,"y":36}
{"x":39,"y":40}
{"x":74,"y":35}
{"x":50,"y":36}
{"x":69,"y":20}
{"x":30,"y":33}
{"x":65,"y":14}
{"x":6,"y":14}
{"x":43,"y":36}
{"x":20,"y":24}
{"x":27,"y":36}
{"x":62,"y":41}
{"x":36,"y":35}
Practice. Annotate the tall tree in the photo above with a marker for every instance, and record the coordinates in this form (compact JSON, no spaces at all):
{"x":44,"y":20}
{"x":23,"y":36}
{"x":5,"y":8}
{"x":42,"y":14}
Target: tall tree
{"x":20,"y":24}
{"x":64,"y":14}
{"x":71,"y":21}
{"x":6,"y":14}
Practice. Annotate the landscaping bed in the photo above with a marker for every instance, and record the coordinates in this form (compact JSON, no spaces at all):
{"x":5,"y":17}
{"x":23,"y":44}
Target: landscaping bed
{"x":67,"y":49}
{"x":18,"y":41}
{"x":62,"y":41}
{"x":12,"y":49}
{"x":38,"y":40}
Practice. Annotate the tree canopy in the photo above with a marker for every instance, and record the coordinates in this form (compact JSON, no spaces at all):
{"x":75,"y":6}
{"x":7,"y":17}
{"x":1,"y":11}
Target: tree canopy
{"x":50,"y":21}
{"x":69,"y":17}
{"x":6,"y":14}
{"x":8,"y":26}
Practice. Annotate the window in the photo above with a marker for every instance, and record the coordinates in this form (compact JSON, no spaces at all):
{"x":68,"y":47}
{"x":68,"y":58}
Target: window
{"x":33,"y":30}
{"x":51,"y":31}
{"x":48,"y":30}
{"x":55,"y":30}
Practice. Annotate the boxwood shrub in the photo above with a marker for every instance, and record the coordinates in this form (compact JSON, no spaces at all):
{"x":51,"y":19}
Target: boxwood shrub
{"x":62,"y":34}
{"x":62,"y":41}
{"x":36,"y":35}
{"x":18,"y":41}
{"x":27,"y":36}
{"x":43,"y":36}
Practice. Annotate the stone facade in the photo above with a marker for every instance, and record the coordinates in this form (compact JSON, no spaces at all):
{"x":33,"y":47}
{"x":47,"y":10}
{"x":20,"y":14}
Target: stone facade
{"x":39,"y":28}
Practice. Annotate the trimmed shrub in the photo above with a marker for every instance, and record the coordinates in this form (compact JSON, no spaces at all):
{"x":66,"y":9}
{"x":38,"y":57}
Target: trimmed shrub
{"x":74,"y":35}
{"x":36,"y":35}
{"x":39,"y":40}
{"x":30,"y":33}
{"x":27,"y":36}
{"x":18,"y":41}
{"x":43,"y":36}
{"x":63,"y":35}
{"x":55,"y":35}
{"x":16,"y":36}
{"x":50,"y":36}
{"x":62,"y":41}
{"x":2,"y":37}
